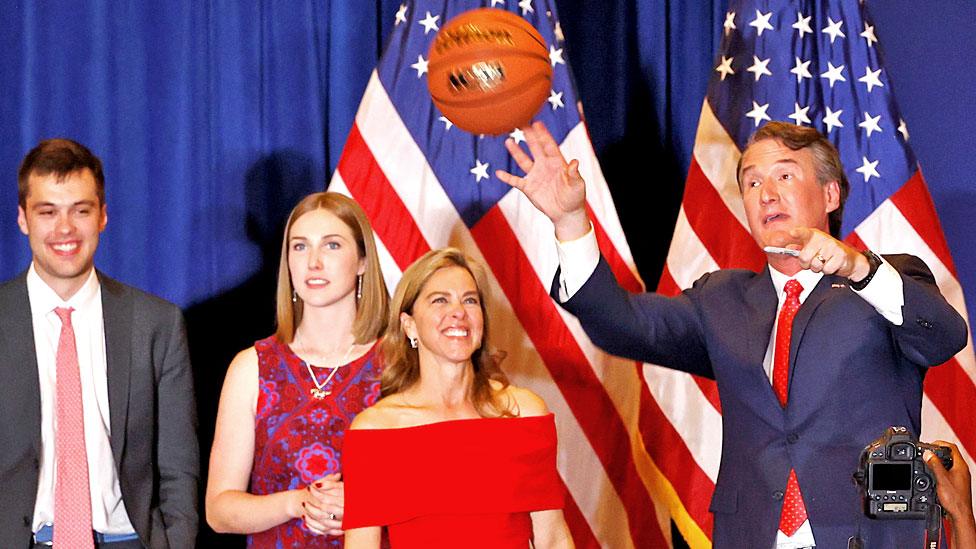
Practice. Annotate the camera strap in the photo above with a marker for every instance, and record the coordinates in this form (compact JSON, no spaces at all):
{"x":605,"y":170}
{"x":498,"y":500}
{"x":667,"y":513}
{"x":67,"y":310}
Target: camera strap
{"x":933,"y":527}
{"x":855,"y":541}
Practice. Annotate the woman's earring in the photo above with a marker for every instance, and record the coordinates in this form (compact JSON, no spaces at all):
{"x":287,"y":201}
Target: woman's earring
{"x":413,"y":343}
{"x":359,"y":287}
{"x":294,"y":296}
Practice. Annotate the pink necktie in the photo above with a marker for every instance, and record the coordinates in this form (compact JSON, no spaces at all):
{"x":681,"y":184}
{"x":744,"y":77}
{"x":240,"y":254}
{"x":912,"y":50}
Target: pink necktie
{"x":794,"y":513}
{"x":72,"y":497}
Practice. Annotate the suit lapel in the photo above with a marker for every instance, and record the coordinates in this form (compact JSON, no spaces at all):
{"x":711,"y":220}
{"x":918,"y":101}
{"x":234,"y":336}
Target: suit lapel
{"x":118,"y":332}
{"x":819,"y":294}
{"x":19,"y":367}
{"x":761,"y":296}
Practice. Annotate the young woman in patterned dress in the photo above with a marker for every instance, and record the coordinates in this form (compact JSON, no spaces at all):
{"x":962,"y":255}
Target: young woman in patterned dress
{"x":288,"y":400}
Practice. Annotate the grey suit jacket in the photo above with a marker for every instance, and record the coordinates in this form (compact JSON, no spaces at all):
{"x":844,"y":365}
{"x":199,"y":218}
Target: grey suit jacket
{"x":151,"y":409}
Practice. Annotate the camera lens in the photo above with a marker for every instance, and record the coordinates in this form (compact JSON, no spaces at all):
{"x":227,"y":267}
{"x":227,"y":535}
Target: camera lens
{"x":922,"y":482}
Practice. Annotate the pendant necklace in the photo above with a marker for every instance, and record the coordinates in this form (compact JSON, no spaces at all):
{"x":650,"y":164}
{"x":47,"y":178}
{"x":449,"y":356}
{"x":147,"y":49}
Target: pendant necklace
{"x":319,"y":392}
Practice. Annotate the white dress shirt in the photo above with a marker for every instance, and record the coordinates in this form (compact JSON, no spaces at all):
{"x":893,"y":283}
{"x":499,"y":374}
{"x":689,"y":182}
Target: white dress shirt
{"x":108,"y":511}
{"x":579,"y":258}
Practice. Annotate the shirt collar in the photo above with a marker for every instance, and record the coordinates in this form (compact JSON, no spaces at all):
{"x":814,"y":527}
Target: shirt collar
{"x":44,"y":299}
{"x":807,"y":278}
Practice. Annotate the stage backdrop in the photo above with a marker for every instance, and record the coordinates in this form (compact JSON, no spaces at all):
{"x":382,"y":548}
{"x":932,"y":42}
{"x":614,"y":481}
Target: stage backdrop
{"x":214,"y":118}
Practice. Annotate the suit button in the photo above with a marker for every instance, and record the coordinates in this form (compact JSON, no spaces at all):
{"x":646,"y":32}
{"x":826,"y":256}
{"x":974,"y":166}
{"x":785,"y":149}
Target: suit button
{"x":778,"y":495}
{"x":27,"y":521}
{"x":792,"y":438}
{"x":37,"y":463}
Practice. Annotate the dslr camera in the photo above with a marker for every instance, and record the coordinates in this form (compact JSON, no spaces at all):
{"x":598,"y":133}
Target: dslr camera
{"x":895,"y":482}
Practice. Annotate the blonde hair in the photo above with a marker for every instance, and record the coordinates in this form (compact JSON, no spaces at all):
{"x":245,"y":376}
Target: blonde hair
{"x":372,"y":307}
{"x":401,"y":362}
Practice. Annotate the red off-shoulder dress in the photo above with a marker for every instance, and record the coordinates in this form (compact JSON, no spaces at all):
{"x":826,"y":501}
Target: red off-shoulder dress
{"x":460,"y":483}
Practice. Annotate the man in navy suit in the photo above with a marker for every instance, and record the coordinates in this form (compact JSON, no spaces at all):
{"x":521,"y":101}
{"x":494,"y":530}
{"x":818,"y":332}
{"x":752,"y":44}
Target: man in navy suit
{"x":814,"y":356}
{"x":96,"y":399}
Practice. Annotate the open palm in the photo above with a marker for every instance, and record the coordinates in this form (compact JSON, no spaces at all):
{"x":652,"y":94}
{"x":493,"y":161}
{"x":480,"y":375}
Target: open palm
{"x":550,"y":183}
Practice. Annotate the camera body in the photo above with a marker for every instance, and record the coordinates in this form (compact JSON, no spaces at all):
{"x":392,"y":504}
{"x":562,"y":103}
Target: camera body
{"x":896,"y":483}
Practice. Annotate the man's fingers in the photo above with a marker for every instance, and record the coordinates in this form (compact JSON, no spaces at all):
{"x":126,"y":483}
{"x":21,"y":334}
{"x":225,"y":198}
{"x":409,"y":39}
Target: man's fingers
{"x":549,"y":145}
{"x":934,"y":463}
{"x":835,"y":264}
{"x":510,"y":179}
{"x":573,"y":169}
{"x":518,"y":155}
{"x":535,"y":139}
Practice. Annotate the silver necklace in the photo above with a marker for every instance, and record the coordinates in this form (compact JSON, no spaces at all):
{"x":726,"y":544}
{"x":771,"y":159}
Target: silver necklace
{"x":319,"y":392}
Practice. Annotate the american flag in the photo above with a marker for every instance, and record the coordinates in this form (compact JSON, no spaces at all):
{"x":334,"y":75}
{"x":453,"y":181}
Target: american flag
{"x":638,"y":445}
{"x":426,"y":184}
{"x":815,"y":63}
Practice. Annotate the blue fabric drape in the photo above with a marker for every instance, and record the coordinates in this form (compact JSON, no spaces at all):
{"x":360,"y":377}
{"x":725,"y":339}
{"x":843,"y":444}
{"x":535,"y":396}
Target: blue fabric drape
{"x":214,"y":118}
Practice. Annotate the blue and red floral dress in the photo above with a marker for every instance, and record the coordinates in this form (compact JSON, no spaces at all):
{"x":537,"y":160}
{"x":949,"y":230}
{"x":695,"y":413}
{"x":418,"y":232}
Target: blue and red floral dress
{"x":298,"y":438}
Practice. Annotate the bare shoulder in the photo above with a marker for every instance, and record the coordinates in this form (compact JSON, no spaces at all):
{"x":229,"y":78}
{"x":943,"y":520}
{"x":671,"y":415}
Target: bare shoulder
{"x":241,"y":380}
{"x":245,"y":364}
{"x":524,"y":402}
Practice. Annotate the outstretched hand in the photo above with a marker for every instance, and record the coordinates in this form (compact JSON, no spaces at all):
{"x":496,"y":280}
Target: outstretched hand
{"x":553,"y":186}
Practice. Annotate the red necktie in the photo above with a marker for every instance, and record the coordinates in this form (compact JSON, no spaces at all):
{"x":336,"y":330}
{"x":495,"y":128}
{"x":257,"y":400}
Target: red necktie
{"x":72,"y":497}
{"x":794,"y":512}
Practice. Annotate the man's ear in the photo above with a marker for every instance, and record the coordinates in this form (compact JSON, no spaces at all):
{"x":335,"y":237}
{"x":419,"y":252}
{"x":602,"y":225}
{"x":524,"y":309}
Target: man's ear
{"x":832,"y":195}
{"x":22,"y":220}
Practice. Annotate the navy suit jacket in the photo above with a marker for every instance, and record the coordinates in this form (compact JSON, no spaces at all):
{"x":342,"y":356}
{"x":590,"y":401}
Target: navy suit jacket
{"x":852,"y":374}
{"x":151,"y":410}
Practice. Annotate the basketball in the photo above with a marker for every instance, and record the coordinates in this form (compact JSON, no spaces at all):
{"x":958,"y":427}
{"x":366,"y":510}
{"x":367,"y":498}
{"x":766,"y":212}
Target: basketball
{"x":488,"y":71}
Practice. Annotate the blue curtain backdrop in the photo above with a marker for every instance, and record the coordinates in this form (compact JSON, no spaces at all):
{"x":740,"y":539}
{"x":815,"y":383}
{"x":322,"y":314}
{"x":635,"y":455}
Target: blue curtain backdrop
{"x":214,"y":118}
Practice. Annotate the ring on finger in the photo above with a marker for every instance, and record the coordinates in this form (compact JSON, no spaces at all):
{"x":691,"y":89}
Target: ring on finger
{"x":332,"y":516}
{"x":822,"y":259}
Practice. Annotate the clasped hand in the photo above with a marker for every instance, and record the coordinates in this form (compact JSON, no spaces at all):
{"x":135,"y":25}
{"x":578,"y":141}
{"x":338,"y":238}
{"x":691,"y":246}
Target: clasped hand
{"x":322,"y":505}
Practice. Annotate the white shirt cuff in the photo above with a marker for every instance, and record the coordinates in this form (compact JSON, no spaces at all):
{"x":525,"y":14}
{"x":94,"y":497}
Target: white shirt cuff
{"x":886,"y":293}
{"x":577,"y":260}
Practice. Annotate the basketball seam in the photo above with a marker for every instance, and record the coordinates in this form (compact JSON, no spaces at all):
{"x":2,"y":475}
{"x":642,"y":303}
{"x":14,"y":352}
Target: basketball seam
{"x":498,"y":95}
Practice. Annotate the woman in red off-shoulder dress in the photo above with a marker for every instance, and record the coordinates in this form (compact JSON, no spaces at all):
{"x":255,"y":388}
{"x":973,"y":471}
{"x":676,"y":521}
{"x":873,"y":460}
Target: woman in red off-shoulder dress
{"x":452,"y":455}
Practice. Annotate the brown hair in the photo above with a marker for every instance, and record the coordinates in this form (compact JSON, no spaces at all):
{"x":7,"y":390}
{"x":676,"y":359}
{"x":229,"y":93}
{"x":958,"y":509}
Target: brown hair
{"x":371,"y":308}
{"x":825,"y":156}
{"x":60,"y":157}
{"x":402,"y":363}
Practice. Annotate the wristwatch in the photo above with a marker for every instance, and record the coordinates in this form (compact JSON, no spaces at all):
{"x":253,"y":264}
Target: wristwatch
{"x":874,"y":261}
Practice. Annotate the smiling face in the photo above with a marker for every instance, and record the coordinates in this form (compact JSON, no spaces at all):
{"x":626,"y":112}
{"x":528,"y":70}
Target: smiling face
{"x":780,"y":191}
{"x":447,"y":318}
{"x":323,"y":259}
{"x":63,"y":218}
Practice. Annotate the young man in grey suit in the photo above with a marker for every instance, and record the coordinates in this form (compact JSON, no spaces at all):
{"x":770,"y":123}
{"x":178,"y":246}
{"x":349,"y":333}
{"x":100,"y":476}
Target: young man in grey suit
{"x":97,"y":416}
